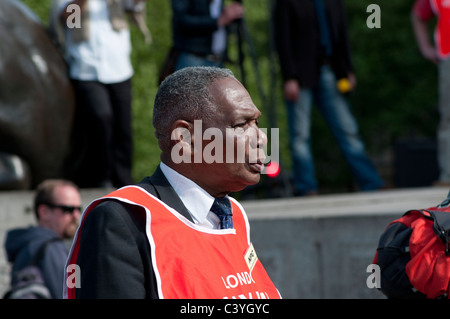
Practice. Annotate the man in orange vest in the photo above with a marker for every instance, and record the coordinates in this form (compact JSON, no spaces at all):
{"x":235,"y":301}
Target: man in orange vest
{"x":177,"y":234}
{"x":423,"y":11}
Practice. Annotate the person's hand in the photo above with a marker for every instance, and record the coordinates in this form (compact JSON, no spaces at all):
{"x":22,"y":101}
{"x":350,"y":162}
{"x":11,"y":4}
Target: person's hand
{"x":291,"y":90}
{"x":231,"y":12}
{"x":429,"y":52}
{"x":352,"y":80}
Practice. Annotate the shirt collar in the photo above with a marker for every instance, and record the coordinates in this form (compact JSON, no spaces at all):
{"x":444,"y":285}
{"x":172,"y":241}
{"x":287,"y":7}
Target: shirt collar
{"x":197,"y":201}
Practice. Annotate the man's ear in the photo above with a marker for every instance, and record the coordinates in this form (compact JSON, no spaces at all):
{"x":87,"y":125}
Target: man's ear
{"x":43,"y":212}
{"x":182,"y":141}
{"x":182,"y":131}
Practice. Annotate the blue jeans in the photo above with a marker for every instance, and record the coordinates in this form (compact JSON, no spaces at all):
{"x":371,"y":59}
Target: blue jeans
{"x":336,"y":111}
{"x":188,"y":59}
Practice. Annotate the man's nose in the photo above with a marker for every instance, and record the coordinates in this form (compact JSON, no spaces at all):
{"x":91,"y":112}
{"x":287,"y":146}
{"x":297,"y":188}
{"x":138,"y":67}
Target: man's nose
{"x":262,"y":138}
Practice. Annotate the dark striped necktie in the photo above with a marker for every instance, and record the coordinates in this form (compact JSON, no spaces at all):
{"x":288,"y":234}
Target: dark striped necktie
{"x":222,"y":208}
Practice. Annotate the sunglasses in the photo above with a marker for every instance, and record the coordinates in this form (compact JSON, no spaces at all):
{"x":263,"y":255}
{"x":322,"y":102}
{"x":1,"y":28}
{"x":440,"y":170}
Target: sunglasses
{"x":66,"y":209}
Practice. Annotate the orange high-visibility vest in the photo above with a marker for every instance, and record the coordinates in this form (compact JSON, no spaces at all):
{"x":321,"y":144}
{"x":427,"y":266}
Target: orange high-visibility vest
{"x":191,"y":261}
{"x":442,"y":33}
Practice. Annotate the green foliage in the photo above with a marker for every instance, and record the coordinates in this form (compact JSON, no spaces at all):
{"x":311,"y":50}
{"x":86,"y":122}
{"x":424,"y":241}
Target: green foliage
{"x":396,"y":94}
{"x":397,"y":86}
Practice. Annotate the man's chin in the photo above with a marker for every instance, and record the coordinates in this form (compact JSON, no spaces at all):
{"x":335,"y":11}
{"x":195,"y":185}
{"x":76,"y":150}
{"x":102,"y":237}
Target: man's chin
{"x":253,"y":176}
{"x":70,"y":231}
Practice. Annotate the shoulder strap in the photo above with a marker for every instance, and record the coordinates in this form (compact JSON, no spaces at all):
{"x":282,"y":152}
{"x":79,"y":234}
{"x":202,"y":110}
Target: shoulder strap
{"x":446,"y":202}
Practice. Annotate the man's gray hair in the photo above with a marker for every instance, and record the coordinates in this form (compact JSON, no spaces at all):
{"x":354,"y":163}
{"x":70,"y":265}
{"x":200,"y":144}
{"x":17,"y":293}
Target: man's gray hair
{"x":185,"y":95}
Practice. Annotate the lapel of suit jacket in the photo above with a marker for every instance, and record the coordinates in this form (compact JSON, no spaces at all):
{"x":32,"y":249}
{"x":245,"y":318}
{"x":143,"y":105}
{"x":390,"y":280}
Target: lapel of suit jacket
{"x":159,"y":186}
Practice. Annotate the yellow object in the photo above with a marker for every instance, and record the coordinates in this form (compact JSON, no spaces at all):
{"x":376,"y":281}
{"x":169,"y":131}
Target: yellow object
{"x":343,"y":85}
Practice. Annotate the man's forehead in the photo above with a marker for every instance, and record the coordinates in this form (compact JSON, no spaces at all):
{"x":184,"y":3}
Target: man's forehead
{"x":227,"y":85}
{"x":231,"y":90}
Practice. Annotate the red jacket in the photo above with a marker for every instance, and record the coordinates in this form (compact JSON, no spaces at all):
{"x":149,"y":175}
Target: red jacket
{"x":427,"y":9}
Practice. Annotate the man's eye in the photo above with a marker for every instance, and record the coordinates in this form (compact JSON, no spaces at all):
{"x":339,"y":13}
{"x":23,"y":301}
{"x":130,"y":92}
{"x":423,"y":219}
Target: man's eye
{"x":240,"y":125}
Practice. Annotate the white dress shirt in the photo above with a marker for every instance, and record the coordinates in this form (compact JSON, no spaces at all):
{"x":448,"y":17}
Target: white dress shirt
{"x":105,"y":57}
{"x":197,"y":201}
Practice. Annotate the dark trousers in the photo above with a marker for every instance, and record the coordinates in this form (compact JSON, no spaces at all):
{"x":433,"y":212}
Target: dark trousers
{"x":102,"y":136}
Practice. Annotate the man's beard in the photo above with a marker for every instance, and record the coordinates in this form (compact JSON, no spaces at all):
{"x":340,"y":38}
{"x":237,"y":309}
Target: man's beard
{"x":70,"y":230}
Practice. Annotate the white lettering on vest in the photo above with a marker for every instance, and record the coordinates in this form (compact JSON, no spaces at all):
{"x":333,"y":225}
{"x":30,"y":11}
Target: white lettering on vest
{"x":259,"y":295}
{"x":242,"y":278}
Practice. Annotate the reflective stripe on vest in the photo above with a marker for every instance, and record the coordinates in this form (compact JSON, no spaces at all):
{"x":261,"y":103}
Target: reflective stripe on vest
{"x":442,"y":33}
{"x":191,"y":261}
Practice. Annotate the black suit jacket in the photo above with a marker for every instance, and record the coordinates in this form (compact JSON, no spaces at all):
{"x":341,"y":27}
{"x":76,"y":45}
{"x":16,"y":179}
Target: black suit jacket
{"x":298,"y":43}
{"x":114,"y":257}
{"x":193,"y":26}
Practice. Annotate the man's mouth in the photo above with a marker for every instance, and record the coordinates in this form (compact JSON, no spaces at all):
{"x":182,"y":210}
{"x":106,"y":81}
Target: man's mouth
{"x":256,"y":167}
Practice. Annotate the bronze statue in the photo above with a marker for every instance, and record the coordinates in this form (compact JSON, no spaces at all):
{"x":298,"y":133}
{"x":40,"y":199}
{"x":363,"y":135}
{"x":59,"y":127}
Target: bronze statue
{"x":36,"y":100}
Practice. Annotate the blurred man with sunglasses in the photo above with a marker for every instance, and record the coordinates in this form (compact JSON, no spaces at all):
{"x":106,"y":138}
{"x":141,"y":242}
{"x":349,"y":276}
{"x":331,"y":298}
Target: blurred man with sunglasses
{"x":57,"y":207}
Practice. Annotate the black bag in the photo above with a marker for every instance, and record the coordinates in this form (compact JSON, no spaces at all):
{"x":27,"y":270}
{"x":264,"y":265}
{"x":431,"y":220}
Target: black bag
{"x":28,"y":283}
{"x":414,"y":254}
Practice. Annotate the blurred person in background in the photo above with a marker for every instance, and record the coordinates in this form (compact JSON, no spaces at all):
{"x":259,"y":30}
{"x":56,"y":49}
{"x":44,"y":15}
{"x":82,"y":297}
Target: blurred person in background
{"x":314,"y":53}
{"x":57,"y":207}
{"x":199,"y":29}
{"x":98,"y":55}
{"x":423,"y":12}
